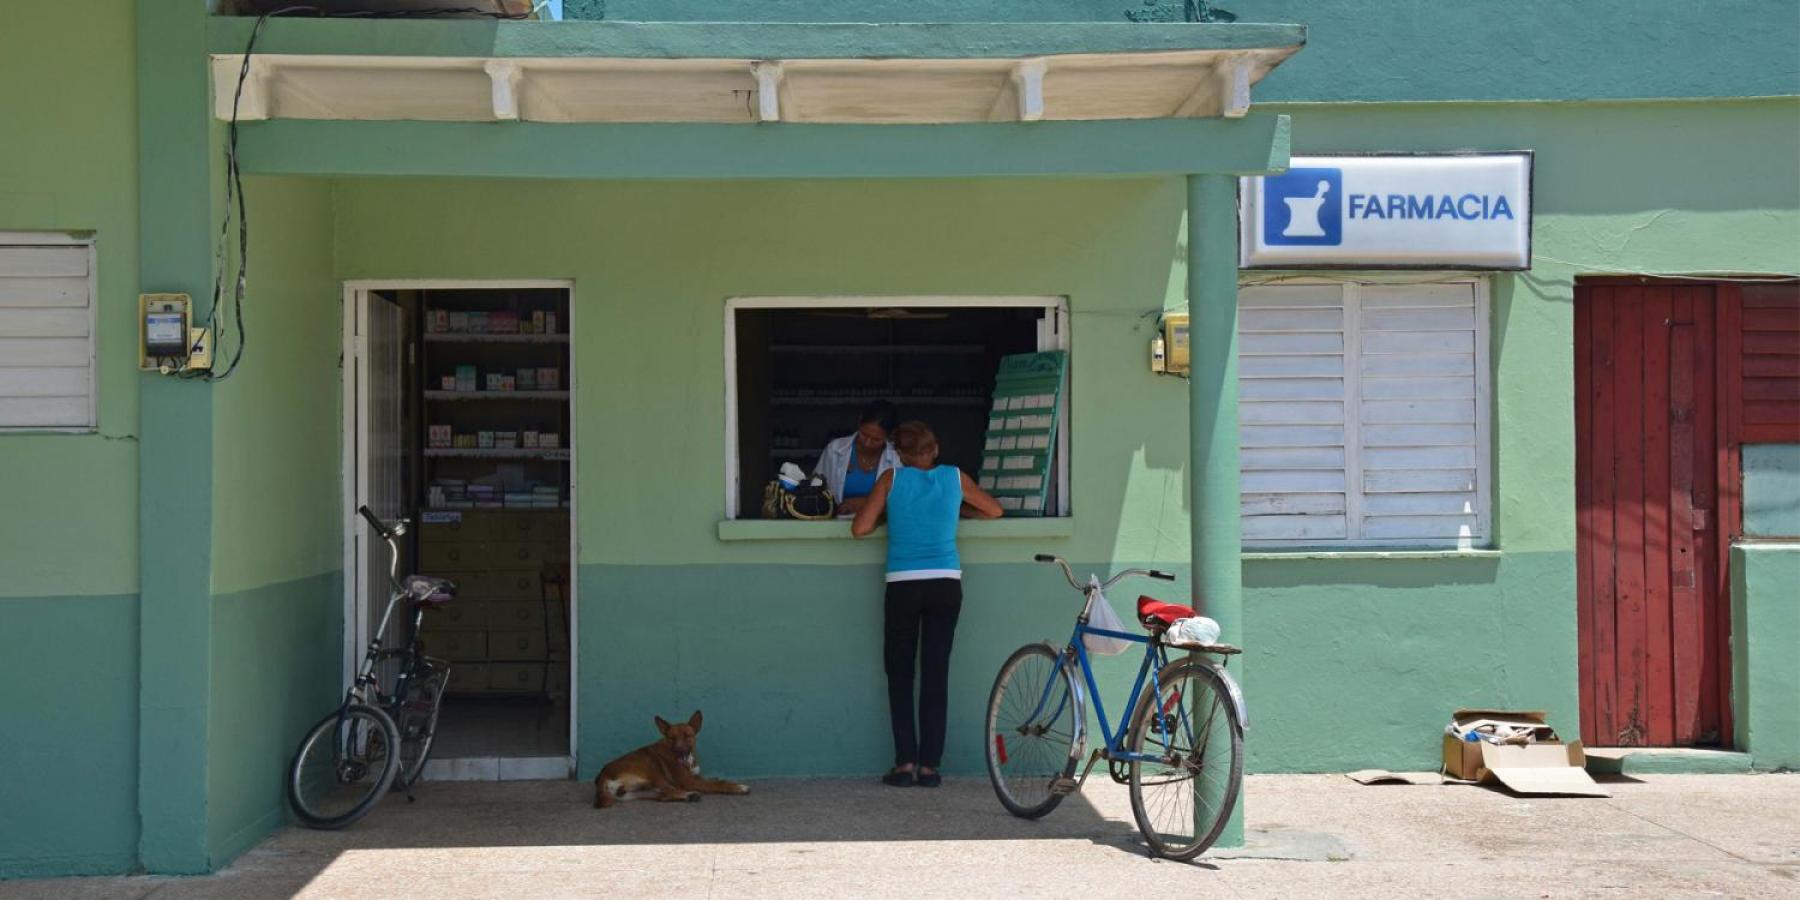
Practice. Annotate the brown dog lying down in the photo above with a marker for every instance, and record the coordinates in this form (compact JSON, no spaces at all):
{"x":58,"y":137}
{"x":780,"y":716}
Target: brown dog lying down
{"x":665,"y":770}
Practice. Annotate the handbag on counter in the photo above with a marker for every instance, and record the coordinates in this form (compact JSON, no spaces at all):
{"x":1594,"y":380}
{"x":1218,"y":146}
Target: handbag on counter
{"x":793,"y":496}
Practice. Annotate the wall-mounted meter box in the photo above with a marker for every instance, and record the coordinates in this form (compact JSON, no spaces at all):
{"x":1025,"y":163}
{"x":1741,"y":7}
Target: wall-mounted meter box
{"x":1169,"y":352}
{"x":163,"y":330}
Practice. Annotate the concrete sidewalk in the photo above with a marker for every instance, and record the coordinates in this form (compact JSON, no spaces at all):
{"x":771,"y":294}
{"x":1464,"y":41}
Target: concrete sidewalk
{"x":1661,"y":836}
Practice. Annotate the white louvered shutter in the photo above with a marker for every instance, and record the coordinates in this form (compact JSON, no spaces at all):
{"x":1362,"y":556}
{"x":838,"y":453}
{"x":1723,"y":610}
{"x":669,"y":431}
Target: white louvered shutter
{"x":1363,"y":414}
{"x":46,"y":335}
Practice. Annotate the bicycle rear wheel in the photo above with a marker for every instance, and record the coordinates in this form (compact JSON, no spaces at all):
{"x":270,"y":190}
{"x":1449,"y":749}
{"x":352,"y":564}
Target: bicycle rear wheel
{"x":1033,"y":732}
{"x":345,"y":764}
{"x":1182,"y":798}
{"x":416,"y":720}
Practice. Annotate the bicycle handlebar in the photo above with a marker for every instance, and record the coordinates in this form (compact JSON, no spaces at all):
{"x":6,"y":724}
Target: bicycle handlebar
{"x":1070,"y":573}
{"x":386,"y":531}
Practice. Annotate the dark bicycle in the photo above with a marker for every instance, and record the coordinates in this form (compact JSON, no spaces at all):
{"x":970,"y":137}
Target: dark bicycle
{"x":379,"y":738}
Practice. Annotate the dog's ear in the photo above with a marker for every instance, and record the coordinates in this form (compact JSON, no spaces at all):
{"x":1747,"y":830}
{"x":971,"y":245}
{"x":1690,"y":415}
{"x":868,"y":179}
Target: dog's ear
{"x":662,"y":727}
{"x":694,"y":722}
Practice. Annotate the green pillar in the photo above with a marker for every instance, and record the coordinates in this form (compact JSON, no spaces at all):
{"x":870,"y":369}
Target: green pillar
{"x":1212,"y":272}
{"x":175,"y":228}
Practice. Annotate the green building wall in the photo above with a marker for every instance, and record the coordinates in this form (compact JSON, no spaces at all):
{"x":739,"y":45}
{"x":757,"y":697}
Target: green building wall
{"x":278,"y":531}
{"x":1354,"y":659}
{"x":1765,"y":662}
{"x":1373,"y":650}
{"x":68,"y":502}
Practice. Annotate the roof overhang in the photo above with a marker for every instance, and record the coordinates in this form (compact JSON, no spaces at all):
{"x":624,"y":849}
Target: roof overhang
{"x":608,"y":72}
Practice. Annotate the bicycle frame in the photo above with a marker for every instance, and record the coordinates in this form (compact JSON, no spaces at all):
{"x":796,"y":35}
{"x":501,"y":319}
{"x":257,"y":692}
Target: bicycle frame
{"x":1155,"y":658}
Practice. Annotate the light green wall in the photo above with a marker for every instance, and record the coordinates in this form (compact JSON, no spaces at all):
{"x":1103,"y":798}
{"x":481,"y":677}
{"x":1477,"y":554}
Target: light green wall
{"x":277,"y":596}
{"x":653,"y":265}
{"x":69,"y":163}
{"x":277,"y":464}
{"x":1765,"y":628}
{"x":68,"y":535}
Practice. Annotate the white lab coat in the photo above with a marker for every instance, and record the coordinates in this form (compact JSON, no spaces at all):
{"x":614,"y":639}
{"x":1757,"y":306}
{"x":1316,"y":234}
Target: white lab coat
{"x":835,"y":461}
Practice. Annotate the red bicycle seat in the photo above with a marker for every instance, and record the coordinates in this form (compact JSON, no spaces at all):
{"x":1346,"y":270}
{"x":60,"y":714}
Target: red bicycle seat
{"x":1155,"y":613}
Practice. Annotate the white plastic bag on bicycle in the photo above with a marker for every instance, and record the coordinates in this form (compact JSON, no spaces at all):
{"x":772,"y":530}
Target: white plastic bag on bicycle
{"x":1100,"y":614}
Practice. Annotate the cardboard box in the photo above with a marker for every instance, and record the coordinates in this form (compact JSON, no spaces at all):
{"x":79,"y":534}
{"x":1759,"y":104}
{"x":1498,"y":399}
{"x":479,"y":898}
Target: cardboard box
{"x":1546,"y":765}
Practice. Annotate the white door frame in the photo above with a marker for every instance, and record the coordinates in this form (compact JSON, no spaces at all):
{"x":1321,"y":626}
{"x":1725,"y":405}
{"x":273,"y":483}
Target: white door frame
{"x":355,"y":300}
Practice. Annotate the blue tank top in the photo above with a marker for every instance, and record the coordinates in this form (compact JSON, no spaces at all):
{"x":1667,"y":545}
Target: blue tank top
{"x":858,"y":483}
{"x":922,"y":510}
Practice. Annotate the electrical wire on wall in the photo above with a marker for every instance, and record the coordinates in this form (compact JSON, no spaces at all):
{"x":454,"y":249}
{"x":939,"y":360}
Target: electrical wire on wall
{"x":217,"y":317}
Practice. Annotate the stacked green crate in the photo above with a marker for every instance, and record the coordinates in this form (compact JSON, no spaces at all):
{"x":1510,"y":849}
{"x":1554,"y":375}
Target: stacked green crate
{"x":1021,"y":432}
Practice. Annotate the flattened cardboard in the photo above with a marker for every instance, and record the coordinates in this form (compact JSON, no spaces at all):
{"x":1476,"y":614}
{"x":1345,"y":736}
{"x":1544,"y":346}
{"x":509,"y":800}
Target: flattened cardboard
{"x":1383,"y":776}
{"x":1542,"y":769}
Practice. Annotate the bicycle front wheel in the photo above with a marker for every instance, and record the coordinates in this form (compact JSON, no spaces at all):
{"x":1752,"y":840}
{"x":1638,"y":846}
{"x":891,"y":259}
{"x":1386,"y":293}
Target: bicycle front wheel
{"x":344,"y":766}
{"x":1034,"y":720}
{"x":1188,"y":766}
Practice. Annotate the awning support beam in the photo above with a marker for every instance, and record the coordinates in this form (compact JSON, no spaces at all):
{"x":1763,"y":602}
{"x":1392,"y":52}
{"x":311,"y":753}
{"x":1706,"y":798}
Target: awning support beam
{"x":1254,"y":145}
{"x":769,"y":84}
{"x":505,"y":75}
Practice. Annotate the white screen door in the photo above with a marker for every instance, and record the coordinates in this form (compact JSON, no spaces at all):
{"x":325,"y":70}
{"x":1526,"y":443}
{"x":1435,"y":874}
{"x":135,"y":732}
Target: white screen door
{"x":382,"y":344}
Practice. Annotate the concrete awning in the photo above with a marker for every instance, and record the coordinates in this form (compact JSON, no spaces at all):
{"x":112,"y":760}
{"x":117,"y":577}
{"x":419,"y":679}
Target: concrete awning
{"x":955,"y":74}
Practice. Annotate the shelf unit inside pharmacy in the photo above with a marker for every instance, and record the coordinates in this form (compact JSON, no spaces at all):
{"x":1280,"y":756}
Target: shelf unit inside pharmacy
{"x":495,"y":511}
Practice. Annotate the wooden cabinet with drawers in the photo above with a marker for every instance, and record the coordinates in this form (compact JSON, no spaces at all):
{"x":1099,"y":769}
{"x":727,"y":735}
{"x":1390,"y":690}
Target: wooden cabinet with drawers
{"x":507,"y":629}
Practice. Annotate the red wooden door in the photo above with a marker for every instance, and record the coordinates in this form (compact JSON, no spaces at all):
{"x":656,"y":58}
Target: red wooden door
{"x":1651,"y":608}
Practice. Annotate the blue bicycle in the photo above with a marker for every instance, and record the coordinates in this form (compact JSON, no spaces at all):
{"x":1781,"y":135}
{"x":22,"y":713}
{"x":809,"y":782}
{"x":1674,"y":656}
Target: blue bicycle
{"x":1179,"y":746}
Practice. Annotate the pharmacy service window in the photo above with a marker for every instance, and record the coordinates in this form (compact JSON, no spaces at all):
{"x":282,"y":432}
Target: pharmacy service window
{"x":1364,"y":414}
{"x":799,"y":370}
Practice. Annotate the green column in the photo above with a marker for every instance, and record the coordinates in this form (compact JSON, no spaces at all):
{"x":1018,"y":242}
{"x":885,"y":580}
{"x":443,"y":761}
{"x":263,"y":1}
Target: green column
{"x":176,"y":224}
{"x":1212,"y":271}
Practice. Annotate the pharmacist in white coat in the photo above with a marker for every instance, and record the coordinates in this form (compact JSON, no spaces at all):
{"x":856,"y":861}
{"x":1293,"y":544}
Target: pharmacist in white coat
{"x":851,"y":463}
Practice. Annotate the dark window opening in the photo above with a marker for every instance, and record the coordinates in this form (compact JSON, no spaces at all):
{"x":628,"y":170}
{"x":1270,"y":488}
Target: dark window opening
{"x":804,"y":375}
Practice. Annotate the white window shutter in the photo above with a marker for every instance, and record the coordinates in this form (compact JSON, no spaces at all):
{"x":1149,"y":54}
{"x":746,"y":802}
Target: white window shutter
{"x":1291,"y":414}
{"x":1362,"y":414}
{"x":1421,"y":451}
{"x":46,"y":335}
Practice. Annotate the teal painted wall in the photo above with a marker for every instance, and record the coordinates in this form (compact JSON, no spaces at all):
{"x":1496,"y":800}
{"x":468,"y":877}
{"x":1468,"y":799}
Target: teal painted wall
{"x":68,"y":760}
{"x":1765,"y":627}
{"x":68,"y":540}
{"x":1772,"y":490}
{"x":277,"y":604}
{"x":1396,"y":50}
{"x":277,"y":651}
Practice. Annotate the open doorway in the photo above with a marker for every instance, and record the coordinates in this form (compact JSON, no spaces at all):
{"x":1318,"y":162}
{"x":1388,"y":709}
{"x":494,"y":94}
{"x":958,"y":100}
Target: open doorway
{"x":459,"y":418}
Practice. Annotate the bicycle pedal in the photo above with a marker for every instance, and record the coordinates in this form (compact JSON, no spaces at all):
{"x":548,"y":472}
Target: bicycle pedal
{"x":1064,"y":785}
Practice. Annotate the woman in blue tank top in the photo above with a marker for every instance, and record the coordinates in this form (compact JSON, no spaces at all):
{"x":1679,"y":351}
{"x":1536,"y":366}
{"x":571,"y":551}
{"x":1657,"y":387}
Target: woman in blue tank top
{"x":922,"y":501}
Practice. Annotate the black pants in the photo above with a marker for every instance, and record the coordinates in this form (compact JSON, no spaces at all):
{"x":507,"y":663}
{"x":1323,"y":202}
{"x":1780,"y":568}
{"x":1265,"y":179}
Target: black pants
{"x":919,"y":624}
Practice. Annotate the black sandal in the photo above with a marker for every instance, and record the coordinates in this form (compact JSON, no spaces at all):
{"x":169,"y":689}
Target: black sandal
{"x":897,"y":778}
{"x":930,"y":779}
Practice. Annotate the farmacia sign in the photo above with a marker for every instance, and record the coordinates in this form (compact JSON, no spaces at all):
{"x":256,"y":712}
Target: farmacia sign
{"x":1465,"y":211}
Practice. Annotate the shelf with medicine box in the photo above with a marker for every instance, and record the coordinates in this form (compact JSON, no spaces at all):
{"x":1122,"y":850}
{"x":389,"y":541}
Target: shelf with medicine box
{"x":447,"y":338}
{"x":497,"y":395}
{"x":557,"y":454}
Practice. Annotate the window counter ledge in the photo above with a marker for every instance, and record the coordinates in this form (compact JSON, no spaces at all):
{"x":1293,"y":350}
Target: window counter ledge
{"x":839,"y":529}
